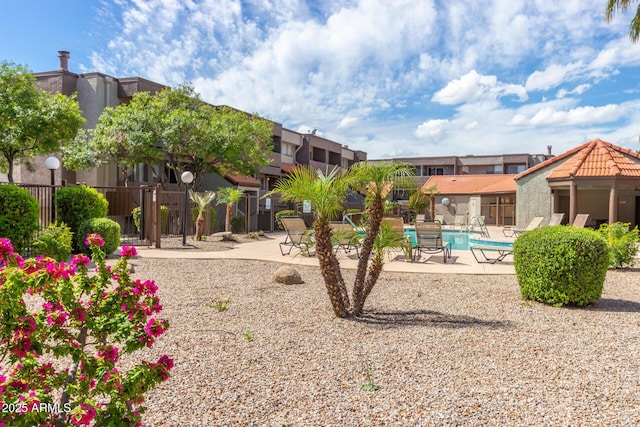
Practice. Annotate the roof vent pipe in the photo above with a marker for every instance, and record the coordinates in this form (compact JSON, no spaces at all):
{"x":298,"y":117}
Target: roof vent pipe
{"x":64,"y":60}
{"x":548,"y":150}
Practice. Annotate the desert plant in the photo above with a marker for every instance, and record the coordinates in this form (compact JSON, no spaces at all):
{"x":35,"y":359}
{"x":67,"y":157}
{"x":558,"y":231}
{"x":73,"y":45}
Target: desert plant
{"x":55,"y":241}
{"x":75,"y":205}
{"x":561,"y":265}
{"x":279,"y":215}
{"x":201,"y":200}
{"x":220,"y":304}
{"x":327,"y":192}
{"x":105,"y":227}
{"x":19,"y":216}
{"x":623,"y":243}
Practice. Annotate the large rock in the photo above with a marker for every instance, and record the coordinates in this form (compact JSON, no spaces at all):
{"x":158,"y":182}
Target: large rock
{"x":287,"y":275}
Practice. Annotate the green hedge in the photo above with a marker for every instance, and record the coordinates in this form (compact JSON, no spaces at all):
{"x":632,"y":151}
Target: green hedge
{"x":622,"y":241}
{"x":75,"y":205}
{"x":19,"y":216}
{"x":561,"y":265}
{"x":107,"y":228}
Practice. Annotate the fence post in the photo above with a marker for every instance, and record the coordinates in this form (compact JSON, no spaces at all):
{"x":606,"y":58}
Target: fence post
{"x":157,"y":213}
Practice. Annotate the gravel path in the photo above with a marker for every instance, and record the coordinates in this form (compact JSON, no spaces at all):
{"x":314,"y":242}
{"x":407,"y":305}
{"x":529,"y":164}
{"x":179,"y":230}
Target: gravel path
{"x":431,"y":350}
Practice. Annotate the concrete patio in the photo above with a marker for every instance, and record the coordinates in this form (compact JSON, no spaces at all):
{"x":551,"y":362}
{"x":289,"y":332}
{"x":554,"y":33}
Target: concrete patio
{"x":461,"y":262}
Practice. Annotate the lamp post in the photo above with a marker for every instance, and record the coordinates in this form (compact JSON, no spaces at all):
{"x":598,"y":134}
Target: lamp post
{"x":52,"y":163}
{"x":187,"y":178}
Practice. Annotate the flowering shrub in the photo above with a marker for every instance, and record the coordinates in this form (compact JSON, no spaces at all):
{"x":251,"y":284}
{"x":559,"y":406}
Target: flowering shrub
{"x":59,"y":364}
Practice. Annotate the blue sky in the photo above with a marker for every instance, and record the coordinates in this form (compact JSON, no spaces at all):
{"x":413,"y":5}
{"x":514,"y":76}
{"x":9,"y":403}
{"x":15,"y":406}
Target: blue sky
{"x":395,"y":78}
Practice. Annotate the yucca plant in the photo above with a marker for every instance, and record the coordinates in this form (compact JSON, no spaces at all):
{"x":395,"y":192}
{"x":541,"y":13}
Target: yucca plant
{"x":201,"y":200}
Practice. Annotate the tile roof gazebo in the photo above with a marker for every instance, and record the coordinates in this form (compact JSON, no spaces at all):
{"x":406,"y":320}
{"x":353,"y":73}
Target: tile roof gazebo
{"x":491,"y":196}
{"x":598,"y":178}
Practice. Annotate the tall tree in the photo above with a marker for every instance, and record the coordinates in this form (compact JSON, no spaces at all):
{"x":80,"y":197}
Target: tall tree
{"x":175,"y":128}
{"x":32,"y":121}
{"x":326,"y":194}
{"x":615,"y":6}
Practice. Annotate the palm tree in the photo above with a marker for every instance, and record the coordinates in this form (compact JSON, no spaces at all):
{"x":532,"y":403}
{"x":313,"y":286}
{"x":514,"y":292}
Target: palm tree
{"x":376,"y":181}
{"x":228,"y":196}
{"x":201,"y":200}
{"x":326,"y":194}
{"x":613,"y":6}
{"x":432,"y":192}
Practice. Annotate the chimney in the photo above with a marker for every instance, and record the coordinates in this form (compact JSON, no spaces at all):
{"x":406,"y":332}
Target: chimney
{"x":549,"y":150}
{"x":64,"y":60}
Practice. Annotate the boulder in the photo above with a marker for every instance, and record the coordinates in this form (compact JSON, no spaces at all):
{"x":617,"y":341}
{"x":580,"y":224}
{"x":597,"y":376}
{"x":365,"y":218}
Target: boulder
{"x":287,"y":275}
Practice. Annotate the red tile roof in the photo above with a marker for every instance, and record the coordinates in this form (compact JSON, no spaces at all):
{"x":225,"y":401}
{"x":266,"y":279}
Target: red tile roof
{"x":595,"y":158}
{"x":472,"y":184}
{"x":242,"y":180}
{"x":286,"y":167}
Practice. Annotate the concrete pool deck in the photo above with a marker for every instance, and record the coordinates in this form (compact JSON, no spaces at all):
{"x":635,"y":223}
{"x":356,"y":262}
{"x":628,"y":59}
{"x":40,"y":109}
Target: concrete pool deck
{"x":461,"y":262}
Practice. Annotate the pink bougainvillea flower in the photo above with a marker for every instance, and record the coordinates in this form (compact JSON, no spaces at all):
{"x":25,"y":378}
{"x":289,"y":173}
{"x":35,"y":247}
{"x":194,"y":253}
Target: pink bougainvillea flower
{"x":94,"y":239}
{"x":109,"y":354}
{"x":5,"y":246}
{"x":85,"y":418}
{"x":81,"y":259}
{"x":129,"y":251}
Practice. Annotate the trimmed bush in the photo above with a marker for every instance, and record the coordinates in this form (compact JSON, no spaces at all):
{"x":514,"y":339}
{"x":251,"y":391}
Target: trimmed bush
{"x":55,"y":241}
{"x":164,"y":218}
{"x":19,"y":216}
{"x":107,"y":228}
{"x":623,"y":243}
{"x":75,"y":205}
{"x":561,"y":265}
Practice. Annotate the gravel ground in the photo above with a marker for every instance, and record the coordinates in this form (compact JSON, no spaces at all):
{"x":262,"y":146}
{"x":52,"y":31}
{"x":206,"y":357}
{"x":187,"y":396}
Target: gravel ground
{"x":431,"y":350}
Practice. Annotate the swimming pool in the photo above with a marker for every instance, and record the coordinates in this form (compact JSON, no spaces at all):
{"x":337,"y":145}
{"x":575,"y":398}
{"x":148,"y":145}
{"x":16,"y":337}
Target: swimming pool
{"x":460,"y":239}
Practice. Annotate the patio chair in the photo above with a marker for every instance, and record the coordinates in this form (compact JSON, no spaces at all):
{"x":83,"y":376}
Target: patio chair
{"x":556,"y":219}
{"x":489,"y":254}
{"x":512,"y":231}
{"x":345,"y":238}
{"x":420,"y":218}
{"x":298,"y":235}
{"x":429,"y":240}
{"x":580,"y":220}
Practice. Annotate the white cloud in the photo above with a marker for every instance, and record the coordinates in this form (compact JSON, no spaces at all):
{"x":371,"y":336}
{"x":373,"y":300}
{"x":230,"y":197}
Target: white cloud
{"x":432,"y":129}
{"x":366,"y":71}
{"x":577,"y":116}
{"x":551,"y":77}
{"x":473,"y":87}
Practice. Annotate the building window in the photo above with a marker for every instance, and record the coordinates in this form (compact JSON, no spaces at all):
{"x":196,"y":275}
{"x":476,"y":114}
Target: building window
{"x":494,"y":169}
{"x":516,"y":168}
{"x":435,"y":171}
{"x":287,"y":149}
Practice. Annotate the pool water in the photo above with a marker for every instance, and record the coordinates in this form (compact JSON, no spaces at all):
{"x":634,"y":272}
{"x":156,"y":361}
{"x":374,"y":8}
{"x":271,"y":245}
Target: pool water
{"x":458,"y":239}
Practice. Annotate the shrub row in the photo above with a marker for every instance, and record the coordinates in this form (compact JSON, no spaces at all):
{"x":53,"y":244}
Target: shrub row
{"x":76,"y":209}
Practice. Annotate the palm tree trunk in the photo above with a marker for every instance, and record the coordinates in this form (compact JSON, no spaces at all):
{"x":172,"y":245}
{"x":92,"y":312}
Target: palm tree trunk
{"x":330,"y":269}
{"x":374,"y":273}
{"x":199,"y":227}
{"x":227,"y":222}
{"x":375,"y":219}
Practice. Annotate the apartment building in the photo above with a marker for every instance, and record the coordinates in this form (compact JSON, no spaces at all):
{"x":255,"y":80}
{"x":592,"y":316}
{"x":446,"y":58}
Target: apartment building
{"x":97,"y":91}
